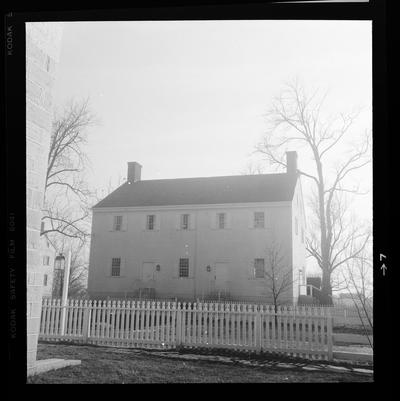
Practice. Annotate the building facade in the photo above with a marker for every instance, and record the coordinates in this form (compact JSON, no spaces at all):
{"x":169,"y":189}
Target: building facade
{"x":48,"y":255}
{"x":42,"y":53}
{"x":199,"y":238}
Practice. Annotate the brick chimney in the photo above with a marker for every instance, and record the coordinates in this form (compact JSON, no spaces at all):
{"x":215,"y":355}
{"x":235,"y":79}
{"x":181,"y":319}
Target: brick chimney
{"x":291,"y":162}
{"x":134,"y":172}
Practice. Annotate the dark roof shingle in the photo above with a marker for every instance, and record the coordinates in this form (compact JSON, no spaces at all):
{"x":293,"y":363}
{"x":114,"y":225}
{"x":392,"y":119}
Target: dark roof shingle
{"x":203,"y":190}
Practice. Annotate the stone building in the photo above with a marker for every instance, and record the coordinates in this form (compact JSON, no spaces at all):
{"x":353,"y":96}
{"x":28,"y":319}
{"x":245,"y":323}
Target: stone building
{"x":42,"y":52}
{"x":48,"y":255}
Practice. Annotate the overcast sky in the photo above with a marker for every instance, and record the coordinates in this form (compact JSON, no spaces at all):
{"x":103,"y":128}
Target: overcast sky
{"x":187,"y":98}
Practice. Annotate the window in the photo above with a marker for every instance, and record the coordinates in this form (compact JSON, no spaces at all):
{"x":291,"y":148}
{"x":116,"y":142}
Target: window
{"x":151,"y":218}
{"x":259,"y":219}
{"x":302,"y":235}
{"x":184,"y":267}
{"x":45,"y":280}
{"x":296,"y":226}
{"x":46,"y":260}
{"x":42,"y":227}
{"x":185,"y":222}
{"x":116,"y":267}
{"x":302,"y":276}
{"x":221,"y":220}
{"x":117,"y":223}
{"x":259,"y":270}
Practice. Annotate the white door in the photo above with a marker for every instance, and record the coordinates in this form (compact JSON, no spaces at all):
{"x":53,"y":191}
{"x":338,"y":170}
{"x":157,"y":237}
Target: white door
{"x":148,"y":271}
{"x":221,"y":276}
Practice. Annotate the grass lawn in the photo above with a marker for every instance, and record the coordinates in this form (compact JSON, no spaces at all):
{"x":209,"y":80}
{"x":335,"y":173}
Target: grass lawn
{"x":353,"y":330}
{"x":113,"y":365}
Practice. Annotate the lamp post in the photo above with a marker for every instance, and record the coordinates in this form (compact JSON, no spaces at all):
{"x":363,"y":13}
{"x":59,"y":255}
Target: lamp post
{"x":64,"y":270}
{"x":59,"y":264}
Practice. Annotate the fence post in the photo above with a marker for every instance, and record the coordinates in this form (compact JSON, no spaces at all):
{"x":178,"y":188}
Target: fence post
{"x":258,"y":328}
{"x":329,"y":333}
{"x":178,"y":329}
{"x":86,"y":320}
{"x":64,"y":305}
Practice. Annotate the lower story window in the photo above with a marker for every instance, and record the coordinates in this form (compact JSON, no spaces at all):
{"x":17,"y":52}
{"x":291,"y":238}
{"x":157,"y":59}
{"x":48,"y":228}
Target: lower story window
{"x":184,"y":267}
{"x":116,"y":267}
{"x":259,"y":271}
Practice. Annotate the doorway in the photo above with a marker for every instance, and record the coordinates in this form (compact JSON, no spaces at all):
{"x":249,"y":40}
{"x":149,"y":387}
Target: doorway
{"x":148,"y":270}
{"x":221,"y":277}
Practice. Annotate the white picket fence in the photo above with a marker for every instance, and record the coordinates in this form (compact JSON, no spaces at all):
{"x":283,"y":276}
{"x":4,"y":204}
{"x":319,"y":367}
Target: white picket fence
{"x":350,"y":316}
{"x":296,"y":331}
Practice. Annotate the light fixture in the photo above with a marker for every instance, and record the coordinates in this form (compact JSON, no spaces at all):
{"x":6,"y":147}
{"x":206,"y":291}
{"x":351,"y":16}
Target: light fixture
{"x":158,"y":268}
{"x":59,"y":262}
{"x":208,"y":268}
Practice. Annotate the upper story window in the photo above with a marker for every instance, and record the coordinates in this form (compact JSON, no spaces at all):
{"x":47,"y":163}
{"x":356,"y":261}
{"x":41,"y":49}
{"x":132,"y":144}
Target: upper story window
{"x":116,"y":267}
{"x":46,"y":260}
{"x":259,"y":220}
{"x":184,"y":267}
{"x":45,"y":280}
{"x":117,"y":223}
{"x":296,"y":226}
{"x":221,"y":220}
{"x":150,"y":222}
{"x":302,"y":277}
{"x":185,"y":219}
{"x":259,"y":268}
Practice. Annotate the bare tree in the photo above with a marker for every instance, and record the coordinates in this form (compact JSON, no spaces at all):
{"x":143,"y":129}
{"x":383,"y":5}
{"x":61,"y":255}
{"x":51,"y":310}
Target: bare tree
{"x":295,"y":119}
{"x":253,"y":168}
{"x":67,"y":195}
{"x":77,"y":285}
{"x":357,"y":277}
{"x":112,"y":185}
{"x":279,"y":279}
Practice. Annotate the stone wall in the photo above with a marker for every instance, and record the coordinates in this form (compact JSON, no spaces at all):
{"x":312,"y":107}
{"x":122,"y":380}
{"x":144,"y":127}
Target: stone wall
{"x":42,"y":53}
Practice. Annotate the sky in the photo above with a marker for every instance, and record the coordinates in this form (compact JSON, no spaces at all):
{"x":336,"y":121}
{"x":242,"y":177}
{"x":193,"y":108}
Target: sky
{"x":188,"y":98}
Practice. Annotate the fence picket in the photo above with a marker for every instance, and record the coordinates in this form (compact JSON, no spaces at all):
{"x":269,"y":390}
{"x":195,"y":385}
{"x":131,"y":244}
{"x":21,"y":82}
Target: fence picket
{"x":157,"y":324}
{"x":168,"y":330}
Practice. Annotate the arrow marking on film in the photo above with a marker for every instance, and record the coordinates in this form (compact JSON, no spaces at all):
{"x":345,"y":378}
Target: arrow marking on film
{"x":383,"y":268}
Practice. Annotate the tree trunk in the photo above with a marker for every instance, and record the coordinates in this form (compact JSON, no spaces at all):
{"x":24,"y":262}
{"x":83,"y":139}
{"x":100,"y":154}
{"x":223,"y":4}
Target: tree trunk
{"x":326,"y":288}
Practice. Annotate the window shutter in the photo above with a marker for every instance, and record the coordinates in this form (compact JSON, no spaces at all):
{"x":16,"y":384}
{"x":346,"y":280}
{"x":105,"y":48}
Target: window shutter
{"x":178,"y":221}
{"x":144,"y":221}
{"x":192,"y":221}
{"x":251,"y":219}
{"x":122,"y":270}
{"x":124,"y":222}
{"x":157,"y":223}
{"x":111,"y":222}
{"x":213,"y":221}
{"x":191,"y":269}
{"x":175,"y":269}
{"x":228,"y":223}
{"x":251,"y":269}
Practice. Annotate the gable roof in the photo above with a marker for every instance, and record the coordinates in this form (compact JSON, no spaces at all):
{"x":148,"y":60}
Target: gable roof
{"x":203,"y":190}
